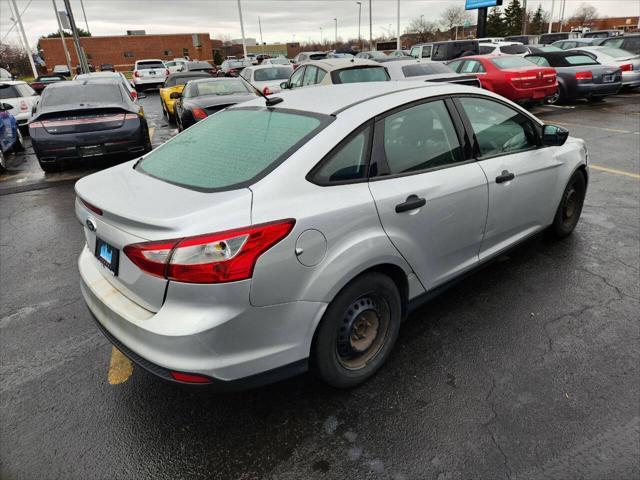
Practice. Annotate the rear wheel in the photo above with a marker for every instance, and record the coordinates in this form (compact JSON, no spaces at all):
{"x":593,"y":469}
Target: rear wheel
{"x":164,"y":109}
{"x":49,"y":167}
{"x":3,"y":166}
{"x":556,"y":98}
{"x":570,"y":207}
{"x":19,"y":145}
{"x":358,"y":331}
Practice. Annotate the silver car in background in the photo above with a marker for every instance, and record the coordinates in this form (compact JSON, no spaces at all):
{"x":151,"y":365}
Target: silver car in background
{"x":627,"y":62}
{"x":271,"y":239}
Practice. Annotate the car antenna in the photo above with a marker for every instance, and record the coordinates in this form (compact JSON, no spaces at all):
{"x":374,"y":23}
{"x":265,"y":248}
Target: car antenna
{"x":270,"y":102}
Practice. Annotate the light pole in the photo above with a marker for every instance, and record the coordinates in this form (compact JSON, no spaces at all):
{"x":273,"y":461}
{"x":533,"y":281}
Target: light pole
{"x":244,"y":43}
{"x":84,"y":66}
{"x":524,"y":17}
{"x":23,"y":39}
{"x":359,"y":19}
{"x":336,"y":40}
{"x":398,"y":29}
{"x":321,"y":41}
{"x":553,"y":4}
{"x":64,"y":42}
{"x":85,"y":16}
{"x":370,"y":28}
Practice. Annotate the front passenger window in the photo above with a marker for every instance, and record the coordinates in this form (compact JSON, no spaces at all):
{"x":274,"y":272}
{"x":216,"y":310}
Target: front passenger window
{"x":296,"y":78}
{"x":498,"y":129}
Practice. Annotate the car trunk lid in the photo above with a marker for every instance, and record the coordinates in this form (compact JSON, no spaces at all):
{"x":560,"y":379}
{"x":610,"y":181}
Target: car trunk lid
{"x":84,"y":120}
{"x":527,"y":77}
{"x":122,"y":206}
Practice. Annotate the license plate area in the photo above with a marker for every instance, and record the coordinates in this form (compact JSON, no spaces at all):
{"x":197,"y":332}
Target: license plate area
{"x":608,"y":78}
{"x":91,"y":151}
{"x":108,"y":256}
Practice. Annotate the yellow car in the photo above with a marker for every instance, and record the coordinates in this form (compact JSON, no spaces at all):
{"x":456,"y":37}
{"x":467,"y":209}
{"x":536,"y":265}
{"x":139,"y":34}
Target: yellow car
{"x":175,"y":84}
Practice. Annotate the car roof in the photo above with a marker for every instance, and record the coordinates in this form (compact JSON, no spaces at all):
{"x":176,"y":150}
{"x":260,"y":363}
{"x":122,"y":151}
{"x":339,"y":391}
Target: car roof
{"x":332,"y":99}
{"x":332,"y":64}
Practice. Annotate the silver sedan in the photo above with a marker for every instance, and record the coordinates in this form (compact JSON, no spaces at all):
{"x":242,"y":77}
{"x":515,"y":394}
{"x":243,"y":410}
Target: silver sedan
{"x":271,"y":239}
{"x":627,"y":62}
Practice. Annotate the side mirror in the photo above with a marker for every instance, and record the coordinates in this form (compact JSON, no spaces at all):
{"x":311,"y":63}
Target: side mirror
{"x":554,"y":136}
{"x":284,"y":85}
{"x":175,"y":95}
{"x":5,"y":106}
{"x":141,"y":95}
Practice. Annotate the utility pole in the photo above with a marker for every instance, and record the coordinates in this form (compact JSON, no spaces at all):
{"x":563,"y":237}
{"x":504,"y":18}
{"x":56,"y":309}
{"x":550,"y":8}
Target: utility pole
{"x":370,"y":28}
{"x":84,"y":66}
{"x":321,"y":40}
{"x":524,"y":17}
{"x":84,"y":14}
{"x":23,"y":39}
{"x":553,"y":4}
{"x":398,"y":47}
{"x":261,"y":41}
{"x":359,"y":21}
{"x":64,"y":42}
{"x":244,"y":43}
{"x":336,"y":41}
{"x":562,"y":5}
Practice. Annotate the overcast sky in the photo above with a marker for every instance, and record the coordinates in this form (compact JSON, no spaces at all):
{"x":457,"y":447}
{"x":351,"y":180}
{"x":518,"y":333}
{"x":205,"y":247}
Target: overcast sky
{"x":281,"y":20}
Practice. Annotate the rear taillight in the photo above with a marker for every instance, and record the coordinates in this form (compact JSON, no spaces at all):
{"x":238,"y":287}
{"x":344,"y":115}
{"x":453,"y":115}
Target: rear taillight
{"x":199,"y":113}
{"x":36,"y":125}
{"x":190,"y":377}
{"x":23,"y":106}
{"x":93,"y":208}
{"x":134,"y":95}
{"x":627,"y":67}
{"x":266,"y":91}
{"x":586,"y":75}
{"x":136,"y":73}
{"x":212,"y":258}
{"x":166,"y":71}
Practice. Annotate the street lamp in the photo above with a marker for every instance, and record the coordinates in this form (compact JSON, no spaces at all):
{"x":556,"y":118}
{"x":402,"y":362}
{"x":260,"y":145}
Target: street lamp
{"x":398,"y":30}
{"x":336,"y":41}
{"x":359,"y":18}
{"x":244,"y":43}
{"x":321,"y":36}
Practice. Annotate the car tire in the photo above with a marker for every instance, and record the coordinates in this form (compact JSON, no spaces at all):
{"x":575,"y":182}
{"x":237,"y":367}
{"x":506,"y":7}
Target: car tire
{"x":165,"y":113}
{"x":3,"y":165}
{"x":19,"y":145}
{"x":49,"y":167}
{"x":570,"y":208}
{"x":556,"y":98}
{"x":357,"y":332}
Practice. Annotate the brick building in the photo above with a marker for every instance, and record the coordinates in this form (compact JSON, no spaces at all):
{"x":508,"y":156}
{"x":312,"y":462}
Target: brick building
{"x":627,"y":24}
{"x":122,"y":51}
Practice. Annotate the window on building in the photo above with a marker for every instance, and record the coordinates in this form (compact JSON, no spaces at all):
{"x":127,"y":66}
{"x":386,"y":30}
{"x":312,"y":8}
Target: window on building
{"x":128,"y":54}
{"x":185,"y":52}
{"x":168,"y":53}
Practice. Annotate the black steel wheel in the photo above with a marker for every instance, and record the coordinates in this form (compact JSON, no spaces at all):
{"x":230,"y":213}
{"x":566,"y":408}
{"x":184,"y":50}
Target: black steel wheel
{"x":570,"y":208}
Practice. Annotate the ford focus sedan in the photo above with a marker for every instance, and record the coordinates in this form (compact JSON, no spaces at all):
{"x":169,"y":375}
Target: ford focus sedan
{"x":267,"y":240}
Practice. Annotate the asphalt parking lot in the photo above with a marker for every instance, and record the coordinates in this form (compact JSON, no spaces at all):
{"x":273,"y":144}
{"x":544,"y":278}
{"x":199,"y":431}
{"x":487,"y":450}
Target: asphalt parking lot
{"x":527,"y":369}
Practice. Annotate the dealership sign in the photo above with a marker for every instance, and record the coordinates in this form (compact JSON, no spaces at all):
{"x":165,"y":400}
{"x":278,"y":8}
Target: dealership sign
{"x":475,"y":4}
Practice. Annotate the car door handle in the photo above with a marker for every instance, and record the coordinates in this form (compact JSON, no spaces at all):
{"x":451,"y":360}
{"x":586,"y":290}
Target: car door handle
{"x":411,"y":203}
{"x":505,"y":176}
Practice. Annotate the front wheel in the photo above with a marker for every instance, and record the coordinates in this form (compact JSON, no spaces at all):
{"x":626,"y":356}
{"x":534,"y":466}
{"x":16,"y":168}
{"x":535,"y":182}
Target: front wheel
{"x":570,"y":207}
{"x":357,"y":332}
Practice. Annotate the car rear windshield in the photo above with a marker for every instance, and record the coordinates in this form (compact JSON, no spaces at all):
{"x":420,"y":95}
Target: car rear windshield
{"x":217,"y":87}
{"x":183,"y":79}
{"x":148,"y":65}
{"x":360,"y":74}
{"x":81,"y":94}
{"x":8,"y":91}
{"x":232,"y":148}
{"x":504,"y":63}
{"x":425,"y":69}
{"x":514,"y":49}
{"x":580,"y":60}
{"x":198,"y":65}
{"x":615,"y":52}
{"x":275,"y":73}
{"x":318,"y":56}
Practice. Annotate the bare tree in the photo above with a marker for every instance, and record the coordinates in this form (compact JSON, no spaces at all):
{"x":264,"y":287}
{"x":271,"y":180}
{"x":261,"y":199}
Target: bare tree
{"x":454,"y":16}
{"x":585,"y":14}
{"x":422,"y":30}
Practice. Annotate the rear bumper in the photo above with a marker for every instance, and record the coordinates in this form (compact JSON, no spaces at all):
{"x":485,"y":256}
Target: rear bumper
{"x":631,"y":79}
{"x":597,"y":89}
{"x":145,"y":81}
{"x":523,"y":95}
{"x":209,"y":330}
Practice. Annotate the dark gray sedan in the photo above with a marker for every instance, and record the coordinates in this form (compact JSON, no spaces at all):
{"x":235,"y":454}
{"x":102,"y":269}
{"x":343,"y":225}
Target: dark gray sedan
{"x":579,"y":76}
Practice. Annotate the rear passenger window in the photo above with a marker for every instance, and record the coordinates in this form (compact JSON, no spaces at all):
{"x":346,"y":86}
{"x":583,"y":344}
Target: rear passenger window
{"x":347,"y":163}
{"x":309,"y":76}
{"x":419,"y":138}
{"x":455,"y":65}
{"x":543,"y":62}
{"x":498,"y":129}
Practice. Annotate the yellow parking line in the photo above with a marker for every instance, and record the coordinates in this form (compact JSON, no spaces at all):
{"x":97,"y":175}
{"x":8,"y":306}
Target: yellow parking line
{"x":597,"y":128}
{"x":613,"y":170}
{"x":120,"y":367}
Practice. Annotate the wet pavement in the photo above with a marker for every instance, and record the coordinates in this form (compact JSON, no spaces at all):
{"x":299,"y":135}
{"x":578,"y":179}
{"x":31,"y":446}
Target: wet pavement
{"x":527,"y":369}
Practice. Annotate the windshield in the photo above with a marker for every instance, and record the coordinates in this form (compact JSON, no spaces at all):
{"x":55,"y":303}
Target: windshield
{"x":231,"y":148}
{"x":425,"y":69}
{"x":8,"y":91}
{"x":216,"y":87}
{"x":275,"y":73}
{"x":511,"y":62}
{"x":361,"y":74}
{"x":149,"y":65}
{"x":81,"y":94}
{"x":279,"y":61}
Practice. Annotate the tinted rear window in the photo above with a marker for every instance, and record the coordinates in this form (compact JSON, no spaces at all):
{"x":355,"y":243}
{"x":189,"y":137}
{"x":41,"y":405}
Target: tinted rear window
{"x":485,"y":49}
{"x":8,"y":91}
{"x":580,"y":60}
{"x":318,"y":56}
{"x":275,"y":73}
{"x":425,"y":69}
{"x":146,"y":65}
{"x":231,"y":148}
{"x":216,"y":87}
{"x":78,"y":94}
{"x":511,"y":62}
{"x":181,"y":80}
{"x":363,"y":74}
{"x":514,"y":49}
